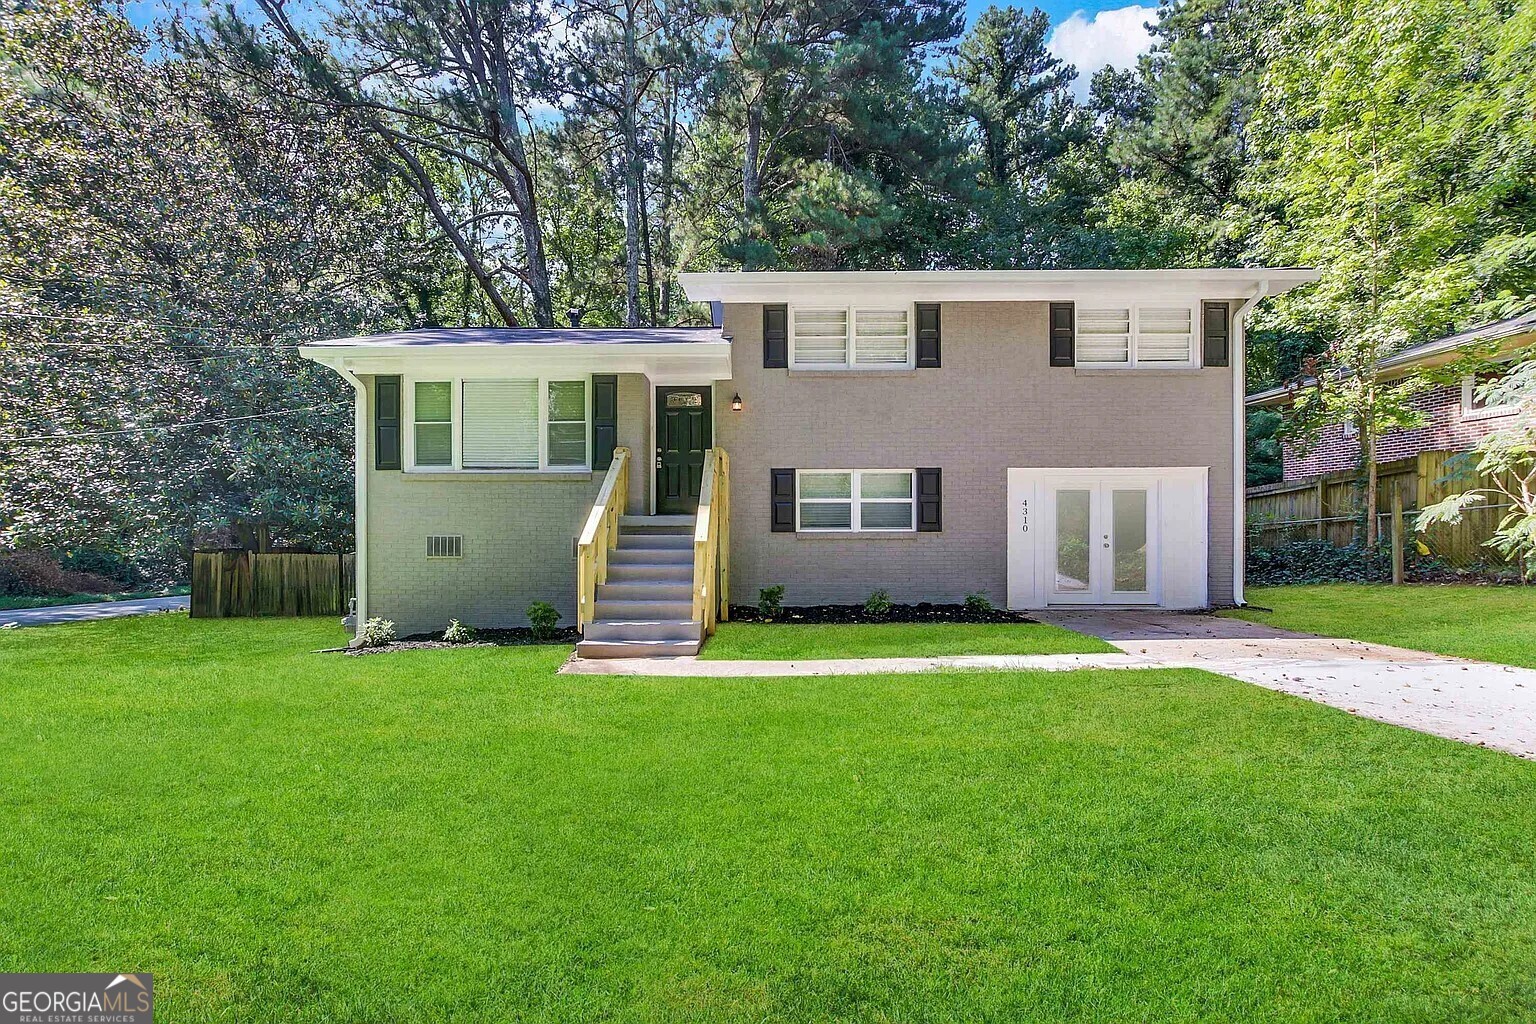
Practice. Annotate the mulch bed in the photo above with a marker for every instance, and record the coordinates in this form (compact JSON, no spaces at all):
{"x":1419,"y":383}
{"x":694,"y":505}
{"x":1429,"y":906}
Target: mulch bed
{"x":855,"y":613}
{"x":520,"y":636}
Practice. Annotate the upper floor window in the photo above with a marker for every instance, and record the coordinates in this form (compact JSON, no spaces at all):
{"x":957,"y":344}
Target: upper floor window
{"x":1474,"y":404}
{"x":519,"y":423}
{"x":1136,"y":335}
{"x":849,"y":338}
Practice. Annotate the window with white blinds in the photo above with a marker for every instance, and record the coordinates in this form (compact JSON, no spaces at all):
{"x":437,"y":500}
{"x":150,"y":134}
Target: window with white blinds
{"x":855,"y":500}
{"x":849,"y":338}
{"x":501,"y":424}
{"x":1137,"y":335}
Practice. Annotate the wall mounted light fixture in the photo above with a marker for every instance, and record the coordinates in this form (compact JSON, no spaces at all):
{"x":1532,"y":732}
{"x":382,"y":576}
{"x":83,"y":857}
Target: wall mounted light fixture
{"x":736,"y":402}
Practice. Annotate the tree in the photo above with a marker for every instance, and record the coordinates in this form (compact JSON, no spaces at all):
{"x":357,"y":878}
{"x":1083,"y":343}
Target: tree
{"x":1505,"y":460}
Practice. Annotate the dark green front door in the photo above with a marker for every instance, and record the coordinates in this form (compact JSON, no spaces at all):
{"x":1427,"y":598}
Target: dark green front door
{"x":683,"y":433}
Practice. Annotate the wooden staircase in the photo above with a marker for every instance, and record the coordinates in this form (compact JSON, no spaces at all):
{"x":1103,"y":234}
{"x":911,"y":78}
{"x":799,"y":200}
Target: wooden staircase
{"x":645,"y":608}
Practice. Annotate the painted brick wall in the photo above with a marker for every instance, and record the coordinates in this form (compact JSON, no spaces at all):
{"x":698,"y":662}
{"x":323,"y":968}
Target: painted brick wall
{"x":517,"y":530}
{"x":1444,"y":430}
{"x":995,"y":403}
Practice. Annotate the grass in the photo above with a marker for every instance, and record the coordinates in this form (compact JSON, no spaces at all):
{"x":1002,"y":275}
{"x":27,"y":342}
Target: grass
{"x":14,"y":602}
{"x":464,"y":834}
{"x":780,"y":642}
{"x":1487,"y":623}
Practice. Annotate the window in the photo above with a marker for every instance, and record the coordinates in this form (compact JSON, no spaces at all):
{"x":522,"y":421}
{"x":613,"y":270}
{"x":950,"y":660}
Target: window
{"x":858,"y":500}
{"x":1475,"y":406}
{"x":526,"y":423}
{"x":845,"y":338}
{"x":1136,"y":335}
{"x":434,"y":422}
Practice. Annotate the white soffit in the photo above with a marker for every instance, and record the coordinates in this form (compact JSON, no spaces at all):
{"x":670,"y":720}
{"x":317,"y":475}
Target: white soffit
{"x":903,"y":286}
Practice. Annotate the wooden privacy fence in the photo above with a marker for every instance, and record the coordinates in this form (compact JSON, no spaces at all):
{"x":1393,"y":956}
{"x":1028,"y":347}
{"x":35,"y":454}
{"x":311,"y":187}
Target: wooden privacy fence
{"x":1329,"y":507}
{"x":228,"y":584}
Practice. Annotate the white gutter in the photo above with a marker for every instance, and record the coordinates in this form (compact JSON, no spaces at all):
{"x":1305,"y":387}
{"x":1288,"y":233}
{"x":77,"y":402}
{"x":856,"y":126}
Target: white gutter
{"x":1240,"y":443}
{"x":359,"y":491}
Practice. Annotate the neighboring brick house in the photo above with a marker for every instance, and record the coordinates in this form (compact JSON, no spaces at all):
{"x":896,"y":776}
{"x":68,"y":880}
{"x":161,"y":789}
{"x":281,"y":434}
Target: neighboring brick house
{"x":1455,"y":419}
{"x":1046,"y":437}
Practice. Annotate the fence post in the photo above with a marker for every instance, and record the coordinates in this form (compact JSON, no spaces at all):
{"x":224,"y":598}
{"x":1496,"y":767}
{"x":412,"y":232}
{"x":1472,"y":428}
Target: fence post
{"x":1397,"y":533}
{"x":1321,"y":515}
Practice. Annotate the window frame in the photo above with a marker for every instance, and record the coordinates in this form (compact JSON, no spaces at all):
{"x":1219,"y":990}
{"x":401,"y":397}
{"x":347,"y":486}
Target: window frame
{"x":1133,"y":342}
{"x":456,"y":381}
{"x":1471,"y":412}
{"x":849,"y":363}
{"x":856,"y":501}
{"x":408,"y":400}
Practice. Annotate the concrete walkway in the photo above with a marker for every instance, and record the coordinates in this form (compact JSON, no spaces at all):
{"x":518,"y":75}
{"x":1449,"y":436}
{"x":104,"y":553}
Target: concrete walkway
{"x":1473,"y":701}
{"x":92,"y":612}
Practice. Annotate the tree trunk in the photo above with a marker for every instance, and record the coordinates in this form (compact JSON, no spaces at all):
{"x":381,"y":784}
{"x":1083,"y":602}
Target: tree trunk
{"x":664,"y":203}
{"x":633,"y":199}
{"x":1368,"y":447}
{"x":750,"y":181}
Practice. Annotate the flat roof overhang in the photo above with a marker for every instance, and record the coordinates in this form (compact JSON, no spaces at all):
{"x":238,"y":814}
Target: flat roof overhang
{"x":905,"y":286}
{"x":683,"y":362}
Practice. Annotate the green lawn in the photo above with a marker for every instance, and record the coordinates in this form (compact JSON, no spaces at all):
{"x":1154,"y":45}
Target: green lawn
{"x":1487,"y":623}
{"x":11,"y":602}
{"x":463,"y":834}
{"x":779,"y":641}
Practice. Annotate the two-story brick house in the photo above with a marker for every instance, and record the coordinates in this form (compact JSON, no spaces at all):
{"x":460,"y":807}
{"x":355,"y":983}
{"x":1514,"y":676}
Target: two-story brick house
{"x":1046,"y":437}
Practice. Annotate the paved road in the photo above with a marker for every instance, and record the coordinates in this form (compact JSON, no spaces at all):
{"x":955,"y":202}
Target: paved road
{"x":92,"y":612}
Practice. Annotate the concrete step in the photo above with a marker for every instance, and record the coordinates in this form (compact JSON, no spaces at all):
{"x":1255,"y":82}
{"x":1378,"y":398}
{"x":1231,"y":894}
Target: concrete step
{"x":636,"y":648}
{"x":645,"y":590}
{"x":629,"y":539}
{"x":656,"y":523}
{"x":662,"y":572}
{"x":644,"y":629}
{"x":628,"y":609}
{"x":652,"y":556}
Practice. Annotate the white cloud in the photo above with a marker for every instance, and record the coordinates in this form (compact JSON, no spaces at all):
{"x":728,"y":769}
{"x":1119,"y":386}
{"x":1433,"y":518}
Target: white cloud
{"x":1109,"y":37}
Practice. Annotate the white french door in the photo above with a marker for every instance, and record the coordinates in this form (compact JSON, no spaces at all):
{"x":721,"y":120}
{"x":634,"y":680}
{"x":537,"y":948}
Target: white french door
{"x":1104,"y":541}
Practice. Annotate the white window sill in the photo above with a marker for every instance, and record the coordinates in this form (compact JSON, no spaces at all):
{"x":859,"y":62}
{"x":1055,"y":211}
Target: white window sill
{"x":894,"y":371}
{"x":1473,"y":415}
{"x":851,"y":535}
{"x":1143,"y":371}
{"x":446,"y":473}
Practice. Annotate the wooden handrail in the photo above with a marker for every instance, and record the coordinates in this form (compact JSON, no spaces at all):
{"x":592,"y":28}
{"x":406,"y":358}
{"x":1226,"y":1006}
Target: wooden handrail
{"x":711,"y":538}
{"x":600,"y":535}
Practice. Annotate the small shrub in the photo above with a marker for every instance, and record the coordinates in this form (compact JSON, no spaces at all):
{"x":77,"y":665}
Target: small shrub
{"x":541,"y":619}
{"x":878,"y":604}
{"x":458,"y":633}
{"x":1317,"y":561}
{"x":977,"y":603}
{"x":770,"y":601}
{"x":376,"y":632}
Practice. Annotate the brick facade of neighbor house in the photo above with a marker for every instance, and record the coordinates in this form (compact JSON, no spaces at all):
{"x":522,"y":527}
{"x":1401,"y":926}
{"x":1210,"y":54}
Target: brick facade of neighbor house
{"x":1445,"y":429}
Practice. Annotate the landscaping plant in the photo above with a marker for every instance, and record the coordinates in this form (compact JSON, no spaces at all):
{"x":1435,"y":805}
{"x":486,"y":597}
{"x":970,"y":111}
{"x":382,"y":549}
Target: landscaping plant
{"x":977,"y":602}
{"x":376,"y":632}
{"x":878,"y":604}
{"x":458,"y":633}
{"x":770,"y":601}
{"x":542,"y":617}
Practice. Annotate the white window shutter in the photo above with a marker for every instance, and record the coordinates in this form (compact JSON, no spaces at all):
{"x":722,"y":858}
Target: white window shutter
{"x":1164,"y":334}
{"x":880,"y":337}
{"x":501,"y":424}
{"x":1103,"y":335}
{"x":821,"y":337}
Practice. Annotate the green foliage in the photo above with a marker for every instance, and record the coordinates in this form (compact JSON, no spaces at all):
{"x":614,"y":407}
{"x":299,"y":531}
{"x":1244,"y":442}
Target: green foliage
{"x":1265,"y":459}
{"x":542,"y":617}
{"x":376,"y":632}
{"x":978,"y":602}
{"x":770,"y":601}
{"x":458,"y":633}
{"x":878,"y":604}
{"x":1317,"y":561}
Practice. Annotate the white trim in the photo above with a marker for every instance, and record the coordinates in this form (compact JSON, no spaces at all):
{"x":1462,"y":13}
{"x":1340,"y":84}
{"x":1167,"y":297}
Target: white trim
{"x":360,"y":461}
{"x":855,"y":502}
{"x":850,"y":338}
{"x":1133,"y":360}
{"x":1488,"y":412}
{"x":1239,"y":363}
{"x":456,"y":463}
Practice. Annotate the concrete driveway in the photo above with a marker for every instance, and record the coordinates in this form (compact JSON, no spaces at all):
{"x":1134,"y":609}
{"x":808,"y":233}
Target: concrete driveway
{"x":92,"y":612}
{"x":1473,"y":701}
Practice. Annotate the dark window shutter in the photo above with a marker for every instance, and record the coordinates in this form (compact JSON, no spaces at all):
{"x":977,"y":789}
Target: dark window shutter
{"x":782,"y":495}
{"x":1063,"y":333}
{"x":930,"y":501}
{"x":605,"y":419}
{"x":386,"y":422}
{"x":928,"y":334}
{"x":775,"y":337}
{"x":1218,"y":334}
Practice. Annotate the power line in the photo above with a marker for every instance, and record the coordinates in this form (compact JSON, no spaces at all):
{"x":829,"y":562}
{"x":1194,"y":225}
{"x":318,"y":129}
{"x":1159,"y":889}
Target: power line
{"x":171,"y":426}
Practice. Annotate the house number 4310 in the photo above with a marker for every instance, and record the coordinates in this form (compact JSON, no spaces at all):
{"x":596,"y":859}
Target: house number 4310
{"x":1024,"y":515}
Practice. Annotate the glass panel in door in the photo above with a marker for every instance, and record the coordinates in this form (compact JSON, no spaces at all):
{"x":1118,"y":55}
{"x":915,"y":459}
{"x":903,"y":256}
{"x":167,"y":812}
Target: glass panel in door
{"x":1128,"y":561}
{"x":1074,"y":550}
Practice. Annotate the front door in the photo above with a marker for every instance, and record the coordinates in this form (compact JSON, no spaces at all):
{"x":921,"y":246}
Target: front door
{"x":1103,"y":543}
{"x":683,"y":435}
